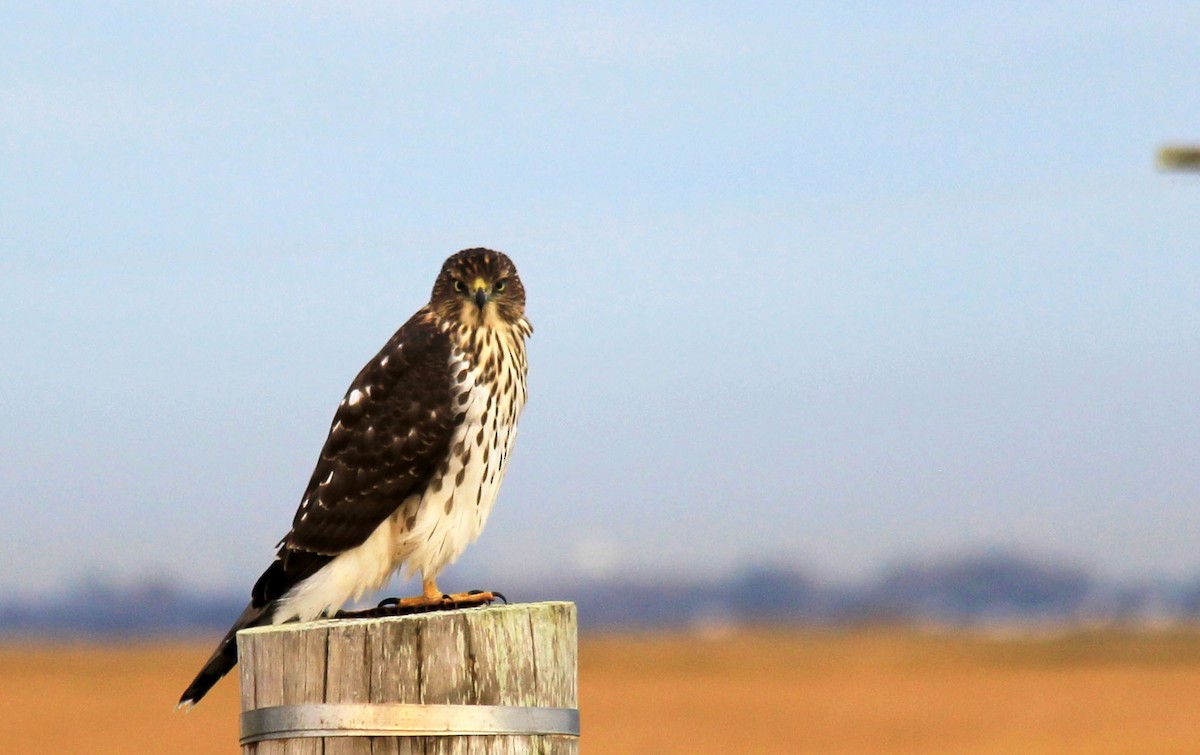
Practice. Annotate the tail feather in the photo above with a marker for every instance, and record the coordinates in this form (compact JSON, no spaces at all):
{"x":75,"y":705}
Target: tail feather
{"x":224,"y":658}
{"x":289,"y":568}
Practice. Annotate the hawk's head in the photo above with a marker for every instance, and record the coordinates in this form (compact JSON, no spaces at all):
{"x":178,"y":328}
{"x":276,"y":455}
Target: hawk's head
{"x":479,"y":287}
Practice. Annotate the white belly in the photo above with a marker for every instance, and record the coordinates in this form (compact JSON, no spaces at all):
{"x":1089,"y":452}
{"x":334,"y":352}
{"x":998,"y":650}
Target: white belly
{"x":428,"y":531}
{"x":451,"y":514}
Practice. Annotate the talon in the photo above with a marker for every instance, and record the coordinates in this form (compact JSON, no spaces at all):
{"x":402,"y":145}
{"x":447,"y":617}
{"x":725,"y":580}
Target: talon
{"x":435,"y":600}
{"x":493,"y":593}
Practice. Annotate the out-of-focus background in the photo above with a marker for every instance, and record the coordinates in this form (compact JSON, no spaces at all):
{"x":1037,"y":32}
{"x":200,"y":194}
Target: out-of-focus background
{"x":873,"y":324}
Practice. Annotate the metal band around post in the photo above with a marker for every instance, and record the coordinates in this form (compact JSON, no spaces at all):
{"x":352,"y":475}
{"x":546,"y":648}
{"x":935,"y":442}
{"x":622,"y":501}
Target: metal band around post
{"x":403,"y":720}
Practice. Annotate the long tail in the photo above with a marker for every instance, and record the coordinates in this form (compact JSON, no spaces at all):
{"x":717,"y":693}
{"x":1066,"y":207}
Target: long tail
{"x":224,"y":658}
{"x":287,"y":570}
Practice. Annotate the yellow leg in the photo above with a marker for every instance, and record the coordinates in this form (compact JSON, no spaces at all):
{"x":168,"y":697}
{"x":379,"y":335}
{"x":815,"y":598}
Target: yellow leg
{"x":433,"y":595}
{"x":430,"y":590}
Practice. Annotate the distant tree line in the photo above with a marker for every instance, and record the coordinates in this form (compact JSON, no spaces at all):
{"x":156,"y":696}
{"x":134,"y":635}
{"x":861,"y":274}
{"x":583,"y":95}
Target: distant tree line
{"x":990,"y":588}
{"x":975,"y":590}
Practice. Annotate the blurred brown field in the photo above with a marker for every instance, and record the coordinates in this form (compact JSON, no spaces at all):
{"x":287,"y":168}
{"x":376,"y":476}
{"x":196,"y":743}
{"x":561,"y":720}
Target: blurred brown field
{"x":862,"y":692}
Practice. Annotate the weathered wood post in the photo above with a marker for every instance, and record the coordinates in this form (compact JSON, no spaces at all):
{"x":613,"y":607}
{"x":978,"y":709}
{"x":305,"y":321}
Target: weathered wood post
{"x":481,"y":681}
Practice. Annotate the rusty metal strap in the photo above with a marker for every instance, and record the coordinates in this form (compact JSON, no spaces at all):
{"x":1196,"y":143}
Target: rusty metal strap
{"x":401,"y":720}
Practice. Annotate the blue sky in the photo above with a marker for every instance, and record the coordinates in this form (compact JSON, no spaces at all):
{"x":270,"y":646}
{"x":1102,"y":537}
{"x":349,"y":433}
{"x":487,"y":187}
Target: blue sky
{"x":826,"y":285}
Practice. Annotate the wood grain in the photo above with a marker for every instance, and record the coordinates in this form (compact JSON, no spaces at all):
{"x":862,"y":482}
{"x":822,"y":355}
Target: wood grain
{"x":520,"y":655}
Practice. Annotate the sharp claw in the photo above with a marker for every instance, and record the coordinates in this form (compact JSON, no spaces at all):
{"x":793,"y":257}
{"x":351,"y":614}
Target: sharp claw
{"x":400,"y":607}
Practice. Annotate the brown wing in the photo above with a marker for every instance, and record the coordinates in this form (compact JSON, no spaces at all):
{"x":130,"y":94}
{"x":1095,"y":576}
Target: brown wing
{"x":388,"y":437}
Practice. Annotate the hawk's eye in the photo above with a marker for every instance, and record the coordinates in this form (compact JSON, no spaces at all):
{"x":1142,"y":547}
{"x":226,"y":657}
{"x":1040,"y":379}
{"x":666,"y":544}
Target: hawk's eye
{"x":500,"y":284}
{"x":459,"y":286}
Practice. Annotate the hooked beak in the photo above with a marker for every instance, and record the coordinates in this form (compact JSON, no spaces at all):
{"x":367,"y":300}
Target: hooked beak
{"x":480,"y":287}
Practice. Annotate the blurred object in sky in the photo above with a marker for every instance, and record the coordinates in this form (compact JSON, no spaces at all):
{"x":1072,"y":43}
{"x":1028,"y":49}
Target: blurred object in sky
{"x":1179,"y":157}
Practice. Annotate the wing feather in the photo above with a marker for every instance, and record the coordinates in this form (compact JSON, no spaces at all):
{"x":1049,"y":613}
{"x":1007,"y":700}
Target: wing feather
{"x":387,"y":438}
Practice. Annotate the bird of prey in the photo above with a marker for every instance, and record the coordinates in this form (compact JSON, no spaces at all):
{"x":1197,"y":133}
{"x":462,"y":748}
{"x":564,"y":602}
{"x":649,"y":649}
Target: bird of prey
{"x":413,"y":461}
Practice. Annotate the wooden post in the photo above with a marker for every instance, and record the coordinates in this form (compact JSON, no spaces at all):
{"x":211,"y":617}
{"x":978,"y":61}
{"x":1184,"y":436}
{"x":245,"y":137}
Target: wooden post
{"x":522,"y":657}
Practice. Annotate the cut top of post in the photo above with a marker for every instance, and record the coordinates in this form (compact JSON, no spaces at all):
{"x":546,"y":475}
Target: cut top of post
{"x":522,"y":655}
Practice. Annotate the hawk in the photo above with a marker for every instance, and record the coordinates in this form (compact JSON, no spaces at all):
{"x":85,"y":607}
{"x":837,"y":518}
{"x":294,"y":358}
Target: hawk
{"x":413,"y":461}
